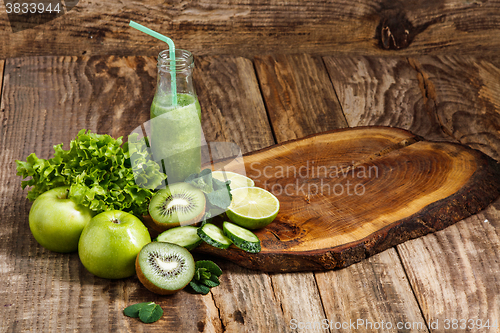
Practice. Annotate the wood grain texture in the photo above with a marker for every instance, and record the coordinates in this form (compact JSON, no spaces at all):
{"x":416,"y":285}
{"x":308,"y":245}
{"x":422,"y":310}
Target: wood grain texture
{"x":464,"y":93}
{"x":2,"y":112}
{"x":299,"y":96}
{"x":267,"y":26}
{"x":383,"y":92}
{"x":45,"y":101}
{"x":246,"y":301}
{"x":455,"y":272}
{"x":232,"y":106}
{"x":362,"y":294}
{"x":390,"y":294}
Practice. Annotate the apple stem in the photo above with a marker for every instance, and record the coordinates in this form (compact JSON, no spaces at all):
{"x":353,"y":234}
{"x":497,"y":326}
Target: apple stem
{"x":65,"y":195}
{"x":115,"y":221}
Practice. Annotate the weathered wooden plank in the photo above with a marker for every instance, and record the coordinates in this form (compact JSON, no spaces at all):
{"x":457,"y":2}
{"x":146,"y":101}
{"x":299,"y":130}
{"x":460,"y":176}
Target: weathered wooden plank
{"x":46,"y":100}
{"x":299,"y":96}
{"x":383,"y":91}
{"x":232,"y":107}
{"x":257,"y":27}
{"x":372,"y":296}
{"x":392,"y":291}
{"x":464,"y":93}
{"x":233,"y":111}
{"x":299,"y":299}
{"x":454,"y":271}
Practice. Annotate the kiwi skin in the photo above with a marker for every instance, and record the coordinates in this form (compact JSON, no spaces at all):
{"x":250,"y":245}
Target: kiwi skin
{"x":149,"y":285}
{"x":150,"y":222}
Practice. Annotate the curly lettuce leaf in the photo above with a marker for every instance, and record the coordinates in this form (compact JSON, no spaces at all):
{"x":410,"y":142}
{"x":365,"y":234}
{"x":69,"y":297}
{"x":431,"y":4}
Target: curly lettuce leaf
{"x":99,"y":172}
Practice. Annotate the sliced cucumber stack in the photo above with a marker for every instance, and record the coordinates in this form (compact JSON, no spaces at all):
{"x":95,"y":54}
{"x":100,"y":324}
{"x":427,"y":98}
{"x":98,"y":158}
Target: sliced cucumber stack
{"x":241,"y":237}
{"x":186,"y":236}
{"x":214,"y":236}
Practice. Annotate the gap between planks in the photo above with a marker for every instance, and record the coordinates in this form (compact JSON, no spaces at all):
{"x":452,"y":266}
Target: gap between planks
{"x":2,"y":71}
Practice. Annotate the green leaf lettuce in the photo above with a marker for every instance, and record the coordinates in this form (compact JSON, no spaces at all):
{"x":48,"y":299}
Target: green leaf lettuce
{"x":99,"y":172}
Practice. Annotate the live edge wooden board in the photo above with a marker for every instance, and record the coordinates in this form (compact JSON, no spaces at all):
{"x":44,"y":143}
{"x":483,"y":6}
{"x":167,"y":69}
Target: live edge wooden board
{"x":348,"y":194}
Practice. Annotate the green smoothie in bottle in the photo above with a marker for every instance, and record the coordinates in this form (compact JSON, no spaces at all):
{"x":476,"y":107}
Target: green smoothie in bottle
{"x":176,"y":129}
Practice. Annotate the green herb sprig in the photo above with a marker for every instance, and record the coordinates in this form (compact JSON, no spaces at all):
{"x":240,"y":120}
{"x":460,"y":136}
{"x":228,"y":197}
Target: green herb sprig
{"x":206,"y":276}
{"x":218,"y":193}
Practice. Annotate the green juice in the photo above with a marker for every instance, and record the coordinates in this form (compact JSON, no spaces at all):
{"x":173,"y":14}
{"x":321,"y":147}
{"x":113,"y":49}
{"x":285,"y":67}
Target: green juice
{"x":176,"y":135}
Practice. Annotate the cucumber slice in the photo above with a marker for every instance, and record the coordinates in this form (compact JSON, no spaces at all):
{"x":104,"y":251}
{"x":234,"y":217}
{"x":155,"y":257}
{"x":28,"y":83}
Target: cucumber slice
{"x":241,"y":237}
{"x":212,"y":234}
{"x":186,"y":236}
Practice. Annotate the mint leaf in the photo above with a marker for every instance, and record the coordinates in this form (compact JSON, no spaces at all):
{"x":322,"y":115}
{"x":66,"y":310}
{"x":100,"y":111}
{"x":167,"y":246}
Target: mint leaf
{"x":214,"y":279}
{"x":150,"y":313}
{"x":202,"y":180}
{"x":217,"y":193}
{"x":133,"y":310}
{"x":209,"y":283}
{"x":205,"y":276}
{"x":219,"y":185}
{"x":210,"y":266}
{"x":199,"y":288}
{"x":220,"y":198}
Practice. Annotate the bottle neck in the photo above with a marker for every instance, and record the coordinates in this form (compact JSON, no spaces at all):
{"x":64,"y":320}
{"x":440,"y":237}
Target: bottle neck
{"x":184,"y":61}
{"x":181,"y":69}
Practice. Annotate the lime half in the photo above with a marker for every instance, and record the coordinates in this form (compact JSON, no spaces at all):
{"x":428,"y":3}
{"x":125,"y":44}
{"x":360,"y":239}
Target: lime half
{"x":252,"y":207}
{"x":236,"y":179}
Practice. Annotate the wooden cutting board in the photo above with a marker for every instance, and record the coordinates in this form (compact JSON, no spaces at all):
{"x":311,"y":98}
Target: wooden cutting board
{"x":348,"y":194}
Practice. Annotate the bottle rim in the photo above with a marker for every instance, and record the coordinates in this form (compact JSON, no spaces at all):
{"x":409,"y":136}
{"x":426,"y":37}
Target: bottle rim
{"x":183,"y":59}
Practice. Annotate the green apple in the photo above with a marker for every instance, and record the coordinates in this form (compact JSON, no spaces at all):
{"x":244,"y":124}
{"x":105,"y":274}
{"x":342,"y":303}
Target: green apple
{"x":110,"y":243}
{"x":56,"y":221}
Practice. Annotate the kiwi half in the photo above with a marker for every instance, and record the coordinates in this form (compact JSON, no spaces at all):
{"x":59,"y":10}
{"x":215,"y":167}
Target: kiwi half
{"x":164,"y":268}
{"x":177,"y":204}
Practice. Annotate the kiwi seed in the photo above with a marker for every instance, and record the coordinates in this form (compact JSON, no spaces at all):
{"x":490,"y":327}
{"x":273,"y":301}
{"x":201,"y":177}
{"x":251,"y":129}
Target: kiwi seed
{"x":176,"y":202}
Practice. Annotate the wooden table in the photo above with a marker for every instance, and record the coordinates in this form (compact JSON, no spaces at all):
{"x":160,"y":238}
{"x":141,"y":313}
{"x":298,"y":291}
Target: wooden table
{"x":422,"y":285}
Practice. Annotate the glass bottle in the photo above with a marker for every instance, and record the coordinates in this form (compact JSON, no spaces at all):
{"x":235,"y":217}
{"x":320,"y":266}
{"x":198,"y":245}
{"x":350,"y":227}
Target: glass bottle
{"x":176,"y":126}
